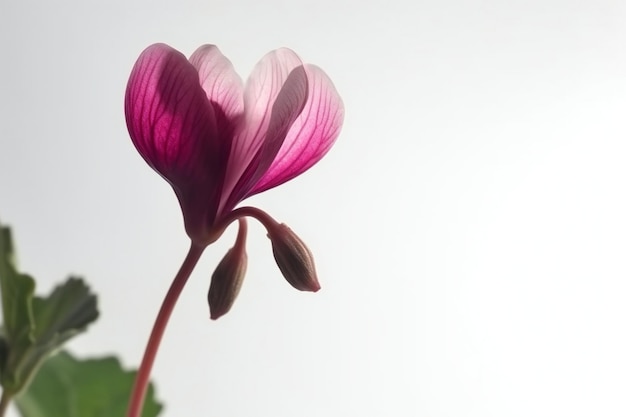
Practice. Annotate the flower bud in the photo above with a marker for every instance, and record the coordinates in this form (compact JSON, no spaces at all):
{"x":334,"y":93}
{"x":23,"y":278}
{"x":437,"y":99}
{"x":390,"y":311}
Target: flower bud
{"x":294,"y":259}
{"x":228,"y":277}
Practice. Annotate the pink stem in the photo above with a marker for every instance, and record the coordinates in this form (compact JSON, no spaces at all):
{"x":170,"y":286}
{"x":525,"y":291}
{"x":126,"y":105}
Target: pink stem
{"x":263,"y":218}
{"x":143,"y":375}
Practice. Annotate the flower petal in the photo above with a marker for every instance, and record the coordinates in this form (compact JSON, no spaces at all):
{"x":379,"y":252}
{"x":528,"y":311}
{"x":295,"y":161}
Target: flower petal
{"x":220,"y":82}
{"x":311,"y":135}
{"x":289,"y":104}
{"x":262,"y":89}
{"x":173,"y":126}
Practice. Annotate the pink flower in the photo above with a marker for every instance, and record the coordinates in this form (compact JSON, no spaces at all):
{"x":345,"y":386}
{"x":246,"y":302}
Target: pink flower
{"x":217,"y":141}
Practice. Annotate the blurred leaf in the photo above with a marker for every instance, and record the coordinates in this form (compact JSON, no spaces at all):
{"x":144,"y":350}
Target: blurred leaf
{"x":35,"y":327}
{"x":4,"y":350}
{"x":65,"y":312}
{"x":17,"y":294}
{"x":67,"y":387}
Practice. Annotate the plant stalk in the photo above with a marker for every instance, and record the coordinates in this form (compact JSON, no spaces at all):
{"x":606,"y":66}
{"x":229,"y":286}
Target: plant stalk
{"x":4,"y":402}
{"x":143,"y":374}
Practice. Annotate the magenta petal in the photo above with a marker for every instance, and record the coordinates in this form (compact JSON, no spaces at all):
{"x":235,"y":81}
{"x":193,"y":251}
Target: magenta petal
{"x":220,"y":82}
{"x":167,"y":113}
{"x":173,"y":126}
{"x":311,"y":135}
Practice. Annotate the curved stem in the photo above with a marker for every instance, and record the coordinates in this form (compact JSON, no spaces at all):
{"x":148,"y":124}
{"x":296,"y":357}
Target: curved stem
{"x":240,"y":241}
{"x":265,"y":219}
{"x":143,"y":374}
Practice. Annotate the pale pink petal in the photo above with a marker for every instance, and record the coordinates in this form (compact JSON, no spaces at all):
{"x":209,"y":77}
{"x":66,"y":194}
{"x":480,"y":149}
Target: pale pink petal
{"x":311,"y":135}
{"x":262,"y":88}
{"x":289,"y":104}
{"x":173,"y":126}
{"x":221,"y":83}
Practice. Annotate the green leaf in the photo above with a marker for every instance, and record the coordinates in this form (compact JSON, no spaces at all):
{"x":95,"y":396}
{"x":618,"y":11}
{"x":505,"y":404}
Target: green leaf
{"x":4,"y":350}
{"x":68,"y":387}
{"x":35,"y":327}
{"x":17,"y":294}
{"x":65,"y":312}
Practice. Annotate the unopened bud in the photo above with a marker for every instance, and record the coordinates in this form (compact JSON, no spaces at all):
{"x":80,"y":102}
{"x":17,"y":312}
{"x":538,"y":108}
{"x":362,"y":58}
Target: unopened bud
{"x":294,"y":259}
{"x":228,"y":277}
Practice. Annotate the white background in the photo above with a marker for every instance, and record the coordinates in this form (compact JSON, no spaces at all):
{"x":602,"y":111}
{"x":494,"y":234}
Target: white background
{"x":468,"y":226}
